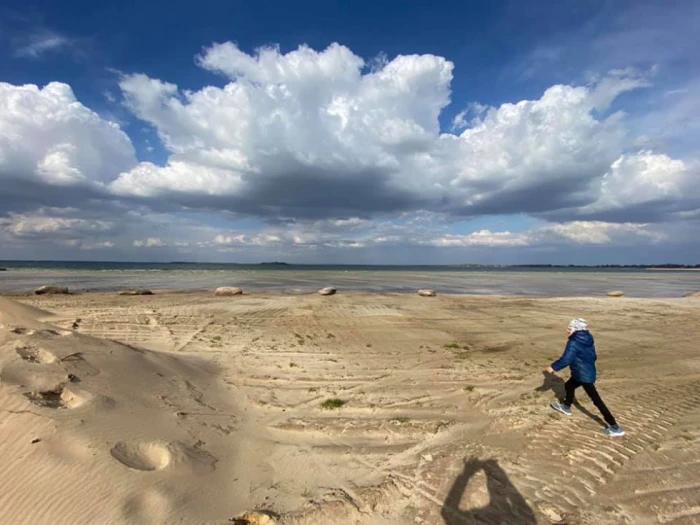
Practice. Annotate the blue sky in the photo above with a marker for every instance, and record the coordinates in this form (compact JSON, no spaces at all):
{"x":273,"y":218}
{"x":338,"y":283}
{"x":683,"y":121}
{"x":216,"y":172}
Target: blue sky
{"x":356,"y":131}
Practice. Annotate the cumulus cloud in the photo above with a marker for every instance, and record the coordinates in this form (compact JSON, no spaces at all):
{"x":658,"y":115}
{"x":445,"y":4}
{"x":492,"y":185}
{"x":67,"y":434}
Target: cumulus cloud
{"x":51,"y":144}
{"x":645,"y":186}
{"x":319,"y":144}
{"x":313,"y":134}
{"x":306,"y":133}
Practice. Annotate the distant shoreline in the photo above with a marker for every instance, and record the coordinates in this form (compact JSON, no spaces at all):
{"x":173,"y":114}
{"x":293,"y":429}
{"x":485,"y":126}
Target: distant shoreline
{"x":675,"y":269}
{"x":126,"y":265}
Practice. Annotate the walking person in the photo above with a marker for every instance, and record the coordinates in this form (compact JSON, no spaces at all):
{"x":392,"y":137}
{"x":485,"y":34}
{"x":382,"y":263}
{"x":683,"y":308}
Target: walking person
{"x":580,"y":356}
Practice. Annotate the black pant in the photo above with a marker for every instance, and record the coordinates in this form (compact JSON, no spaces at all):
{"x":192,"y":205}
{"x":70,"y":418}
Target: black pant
{"x":571,"y":386}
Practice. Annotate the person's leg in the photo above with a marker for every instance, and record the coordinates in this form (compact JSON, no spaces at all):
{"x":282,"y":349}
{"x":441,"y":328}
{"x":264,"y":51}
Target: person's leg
{"x":571,"y":385}
{"x":598,"y":402}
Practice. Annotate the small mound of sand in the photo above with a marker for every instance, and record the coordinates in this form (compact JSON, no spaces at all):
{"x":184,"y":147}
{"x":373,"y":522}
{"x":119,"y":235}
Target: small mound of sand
{"x":51,"y":290}
{"x":692,"y":294}
{"x":616,"y":293}
{"x":228,"y":291}
{"x":142,"y":456}
{"x":329,"y":290}
{"x":74,"y":398}
{"x":136,"y":292}
{"x":427,"y":293}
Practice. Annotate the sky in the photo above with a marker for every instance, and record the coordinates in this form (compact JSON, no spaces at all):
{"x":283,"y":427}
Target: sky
{"x":356,"y":132}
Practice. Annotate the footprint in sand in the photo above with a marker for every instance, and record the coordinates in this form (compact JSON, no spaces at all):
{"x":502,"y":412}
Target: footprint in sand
{"x":148,"y":506}
{"x":142,"y":456}
{"x":20,"y":330}
{"x":60,"y":397}
{"x":35,"y":355}
{"x":157,"y":455}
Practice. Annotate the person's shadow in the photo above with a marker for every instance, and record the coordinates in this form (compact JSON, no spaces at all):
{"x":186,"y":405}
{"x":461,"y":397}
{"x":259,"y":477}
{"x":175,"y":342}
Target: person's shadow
{"x":556,"y":384}
{"x":506,"y":505}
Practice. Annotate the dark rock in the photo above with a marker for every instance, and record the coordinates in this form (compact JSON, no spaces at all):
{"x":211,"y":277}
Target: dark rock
{"x":51,"y":290}
{"x":137,"y":291}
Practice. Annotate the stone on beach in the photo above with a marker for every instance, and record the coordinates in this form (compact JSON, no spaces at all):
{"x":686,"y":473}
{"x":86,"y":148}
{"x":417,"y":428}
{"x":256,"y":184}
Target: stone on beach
{"x":254,"y":518}
{"x":136,"y":292}
{"x":427,"y":293}
{"x":616,"y":293}
{"x":228,"y":291}
{"x":329,"y":290}
{"x":51,"y":290}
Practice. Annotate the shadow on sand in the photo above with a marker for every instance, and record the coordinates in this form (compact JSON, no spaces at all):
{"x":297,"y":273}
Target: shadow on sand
{"x":556,"y":384}
{"x":506,"y":505}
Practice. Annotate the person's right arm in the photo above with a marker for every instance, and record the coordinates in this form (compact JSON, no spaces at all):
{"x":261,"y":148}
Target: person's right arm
{"x":566,"y":358}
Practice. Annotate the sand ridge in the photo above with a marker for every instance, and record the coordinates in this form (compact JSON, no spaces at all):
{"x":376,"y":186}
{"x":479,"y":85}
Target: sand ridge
{"x":352,"y":409}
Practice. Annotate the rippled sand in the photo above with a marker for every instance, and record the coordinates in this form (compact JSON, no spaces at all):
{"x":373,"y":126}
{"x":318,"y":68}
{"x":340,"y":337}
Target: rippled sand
{"x":190,"y":408}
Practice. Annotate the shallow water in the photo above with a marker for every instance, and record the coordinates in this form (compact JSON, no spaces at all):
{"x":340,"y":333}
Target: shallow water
{"x":553,"y":282}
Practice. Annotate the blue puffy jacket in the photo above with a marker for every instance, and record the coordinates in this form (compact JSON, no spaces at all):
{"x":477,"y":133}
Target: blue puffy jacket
{"x":580,"y":356}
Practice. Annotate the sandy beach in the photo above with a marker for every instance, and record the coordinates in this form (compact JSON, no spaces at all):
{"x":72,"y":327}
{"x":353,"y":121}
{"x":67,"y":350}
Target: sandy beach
{"x":358,"y":408}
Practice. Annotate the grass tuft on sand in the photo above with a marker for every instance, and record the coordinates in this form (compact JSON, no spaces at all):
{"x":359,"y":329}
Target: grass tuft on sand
{"x":333,"y":403}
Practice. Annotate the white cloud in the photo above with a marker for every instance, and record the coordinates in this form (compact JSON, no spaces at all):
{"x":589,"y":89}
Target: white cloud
{"x":149,"y":243}
{"x":643,"y":178}
{"x":484,"y":238}
{"x":329,"y":152}
{"x":33,"y":226}
{"x":598,"y":232}
{"x":645,"y":184}
{"x":577,"y":232}
{"x":104,"y":245}
{"x":40,"y":42}
{"x":47,"y":136}
{"x":291,"y":130}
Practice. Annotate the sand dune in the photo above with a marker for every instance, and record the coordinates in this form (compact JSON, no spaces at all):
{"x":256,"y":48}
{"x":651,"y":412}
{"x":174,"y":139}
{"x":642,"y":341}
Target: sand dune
{"x":353,"y":409}
{"x":85,"y":420}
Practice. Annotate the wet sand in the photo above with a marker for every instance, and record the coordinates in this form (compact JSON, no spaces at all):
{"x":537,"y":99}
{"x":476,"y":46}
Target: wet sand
{"x":190,"y":408}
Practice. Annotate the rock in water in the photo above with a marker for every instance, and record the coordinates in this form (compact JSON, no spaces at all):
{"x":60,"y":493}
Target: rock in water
{"x":228,"y":291}
{"x":427,"y":293}
{"x":616,"y":293}
{"x":51,"y":290}
{"x":329,"y":290}
{"x":136,"y":292}
{"x":3,"y":269}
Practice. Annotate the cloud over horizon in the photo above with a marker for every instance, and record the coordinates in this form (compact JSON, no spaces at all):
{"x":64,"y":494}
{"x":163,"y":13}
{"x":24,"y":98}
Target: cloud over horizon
{"x":323,"y":149}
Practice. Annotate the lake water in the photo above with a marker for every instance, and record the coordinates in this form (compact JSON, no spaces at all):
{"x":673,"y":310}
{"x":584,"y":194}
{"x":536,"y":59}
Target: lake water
{"x":86,"y":277}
